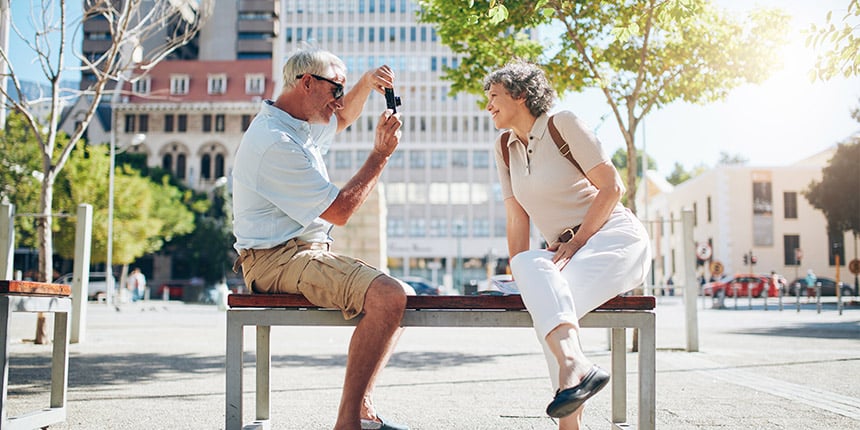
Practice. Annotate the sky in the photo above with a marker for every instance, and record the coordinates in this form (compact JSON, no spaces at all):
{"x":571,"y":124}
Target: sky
{"x":781,"y":121}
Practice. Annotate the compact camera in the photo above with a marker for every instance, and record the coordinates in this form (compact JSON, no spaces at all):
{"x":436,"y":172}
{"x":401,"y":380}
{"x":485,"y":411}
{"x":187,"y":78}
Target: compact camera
{"x":391,"y":101}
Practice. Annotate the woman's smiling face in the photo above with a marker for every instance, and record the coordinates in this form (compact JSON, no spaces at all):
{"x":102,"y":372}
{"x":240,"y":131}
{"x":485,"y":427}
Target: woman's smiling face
{"x":502,"y":106}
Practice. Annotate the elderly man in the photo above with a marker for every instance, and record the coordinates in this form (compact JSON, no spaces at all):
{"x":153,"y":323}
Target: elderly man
{"x":284,"y":206}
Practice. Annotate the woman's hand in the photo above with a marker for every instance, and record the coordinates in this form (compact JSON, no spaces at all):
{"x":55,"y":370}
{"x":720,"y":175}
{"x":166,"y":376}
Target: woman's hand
{"x":564,"y":251}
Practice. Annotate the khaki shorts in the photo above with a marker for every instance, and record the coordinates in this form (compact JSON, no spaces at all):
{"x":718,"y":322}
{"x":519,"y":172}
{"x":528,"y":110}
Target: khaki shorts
{"x":325,"y":278}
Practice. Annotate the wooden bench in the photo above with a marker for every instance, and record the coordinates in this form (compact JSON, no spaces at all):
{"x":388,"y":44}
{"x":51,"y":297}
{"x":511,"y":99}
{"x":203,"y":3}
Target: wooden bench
{"x":266,"y":310}
{"x":23,"y":296}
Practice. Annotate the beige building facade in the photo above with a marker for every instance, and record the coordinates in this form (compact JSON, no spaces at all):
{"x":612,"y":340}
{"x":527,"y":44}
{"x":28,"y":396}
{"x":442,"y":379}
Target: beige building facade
{"x":738,"y":210}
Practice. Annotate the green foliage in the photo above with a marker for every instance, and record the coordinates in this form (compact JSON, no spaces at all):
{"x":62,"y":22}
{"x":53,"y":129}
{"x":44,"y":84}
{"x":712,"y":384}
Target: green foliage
{"x":146,"y":213}
{"x":837,"y":44}
{"x":838,"y":192}
{"x":20,"y":173}
{"x":680,"y":175}
{"x":642,"y":54}
{"x":619,"y":159}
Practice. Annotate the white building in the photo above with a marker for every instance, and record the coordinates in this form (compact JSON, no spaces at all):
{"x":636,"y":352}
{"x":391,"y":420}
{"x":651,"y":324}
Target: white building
{"x":743,"y":209}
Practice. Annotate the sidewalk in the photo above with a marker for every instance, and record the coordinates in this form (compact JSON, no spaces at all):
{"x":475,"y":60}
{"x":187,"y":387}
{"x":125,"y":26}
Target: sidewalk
{"x":161,"y":365}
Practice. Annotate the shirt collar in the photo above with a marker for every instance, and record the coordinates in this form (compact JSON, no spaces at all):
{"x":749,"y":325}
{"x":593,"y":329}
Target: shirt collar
{"x":297,"y":126}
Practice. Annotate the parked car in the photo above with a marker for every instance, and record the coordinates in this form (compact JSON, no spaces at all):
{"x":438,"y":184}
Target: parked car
{"x":422,"y":286}
{"x":760,"y":285}
{"x":96,"y":288}
{"x":828,"y":287}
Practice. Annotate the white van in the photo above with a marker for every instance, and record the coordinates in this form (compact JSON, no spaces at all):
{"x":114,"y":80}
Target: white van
{"x":97,"y":288}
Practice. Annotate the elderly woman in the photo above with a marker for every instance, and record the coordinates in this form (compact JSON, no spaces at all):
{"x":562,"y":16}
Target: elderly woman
{"x":555,"y":174}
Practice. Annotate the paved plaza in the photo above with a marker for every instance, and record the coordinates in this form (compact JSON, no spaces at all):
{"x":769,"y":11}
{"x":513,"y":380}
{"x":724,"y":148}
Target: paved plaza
{"x":161,"y":366}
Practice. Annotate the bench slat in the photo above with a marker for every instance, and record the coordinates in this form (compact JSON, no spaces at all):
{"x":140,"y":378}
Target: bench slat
{"x":513,"y":302}
{"x":34,"y":288}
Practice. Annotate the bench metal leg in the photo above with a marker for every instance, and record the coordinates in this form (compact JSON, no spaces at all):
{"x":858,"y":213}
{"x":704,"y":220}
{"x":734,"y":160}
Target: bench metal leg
{"x":619,"y":375}
{"x":648,"y":372}
{"x":264,"y":368}
{"x":59,"y":307}
{"x":235,"y":347}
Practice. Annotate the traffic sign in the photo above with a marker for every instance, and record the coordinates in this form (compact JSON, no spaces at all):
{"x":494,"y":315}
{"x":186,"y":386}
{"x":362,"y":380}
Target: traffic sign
{"x":703,"y":251}
{"x":854,"y":266}
{"x":716,"y":268}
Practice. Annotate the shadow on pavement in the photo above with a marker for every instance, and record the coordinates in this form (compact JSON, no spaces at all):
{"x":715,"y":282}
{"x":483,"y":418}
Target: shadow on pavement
{"x":404,"y":360}
{"x":31,"y":373}
{"x":823,"y":330}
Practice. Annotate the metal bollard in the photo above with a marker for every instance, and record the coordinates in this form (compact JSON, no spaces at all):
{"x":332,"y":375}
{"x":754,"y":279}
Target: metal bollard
{"x":165,"y":294}
{"x":797,"y":294}
{"x":766,"y":295}
{"x":749,"y":296}
{"x":735,"y":292}
{"x":818,"y":296}
{"x":781,"y":292}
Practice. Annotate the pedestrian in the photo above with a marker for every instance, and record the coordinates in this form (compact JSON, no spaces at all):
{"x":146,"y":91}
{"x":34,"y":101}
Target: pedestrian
{"x":811,"y":279}
{"x":596,"y":250}
{"x":136,"y":284}
{"x":284,"y":207}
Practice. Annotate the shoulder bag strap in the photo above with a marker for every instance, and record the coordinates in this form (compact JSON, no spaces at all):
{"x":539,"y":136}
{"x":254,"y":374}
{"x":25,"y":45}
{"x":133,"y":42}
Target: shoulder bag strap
{"x":562,"y":146}
{"x":505,"y":154}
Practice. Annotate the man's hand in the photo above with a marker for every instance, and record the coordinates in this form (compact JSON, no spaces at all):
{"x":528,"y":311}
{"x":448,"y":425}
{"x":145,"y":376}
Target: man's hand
{"x":387,"y":133}
{"x":378,"y":79}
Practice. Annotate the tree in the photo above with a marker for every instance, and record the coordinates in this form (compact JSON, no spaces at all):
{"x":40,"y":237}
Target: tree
{"x":147,"y":214}
{"x":160,"y":26}
{"x":838,"y":44}
{"x":727,"y":159}
{"x":680,"y":175}
{"x":642,"y":54}
{"x":838,"y":192}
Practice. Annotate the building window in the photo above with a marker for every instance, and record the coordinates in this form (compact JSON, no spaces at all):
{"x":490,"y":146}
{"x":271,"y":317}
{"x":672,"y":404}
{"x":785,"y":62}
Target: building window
{"x":709,"y":209}
{"x":180,"y":166}
{"x":207,"y":123}
{"x":481,"y":159}
{"x":790,"y":204}
{"x":417,"y":159}
{"x":143,"y":123}
{"x":790,"y":248}
{"x":167,"y":162}
{"x":438,"y":227}
{"x":142,"y":86}
{"x":459,"y":158}
{"x":417,"y":227}
{"x":396,"y":227}
{"x":438,"y":159}
{"x":168,"y":123}
{"x":220,"y":122}
{"x":255,"y":84}
{"x":179,"y":85}
{"x":217,"y":84}
{"x":246,"y":122}
{"x":206,"y":167}
{"x":219,"y":165}
{"x":342,"y":160}
{"x":129,"y":123}
{"x":182,"y":123}
{"x":480,"y":227}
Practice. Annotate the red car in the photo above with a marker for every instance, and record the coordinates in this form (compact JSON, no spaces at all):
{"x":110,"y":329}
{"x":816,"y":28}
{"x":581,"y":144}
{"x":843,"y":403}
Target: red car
{"x":760,"y":284}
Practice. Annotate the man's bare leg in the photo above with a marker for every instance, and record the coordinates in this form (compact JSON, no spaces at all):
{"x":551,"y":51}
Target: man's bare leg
{"x":371,"y":345}
{"x":367,"y":410}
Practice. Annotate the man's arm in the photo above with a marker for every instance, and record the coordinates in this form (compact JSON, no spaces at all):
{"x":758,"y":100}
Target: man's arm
{"x":354,"y":100}
{"x":356,"y":191}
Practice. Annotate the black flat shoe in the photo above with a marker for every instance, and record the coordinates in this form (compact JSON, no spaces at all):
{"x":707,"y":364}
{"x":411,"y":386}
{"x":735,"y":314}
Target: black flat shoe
{"x":381,"y":425}
{"x":567,"y":401}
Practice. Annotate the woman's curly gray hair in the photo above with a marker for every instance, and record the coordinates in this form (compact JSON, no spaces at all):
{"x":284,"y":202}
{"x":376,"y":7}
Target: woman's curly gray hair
{"x":524,"y":80}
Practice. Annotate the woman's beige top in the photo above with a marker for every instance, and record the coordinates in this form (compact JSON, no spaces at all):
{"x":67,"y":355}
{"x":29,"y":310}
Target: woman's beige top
{"x":554,"y":193}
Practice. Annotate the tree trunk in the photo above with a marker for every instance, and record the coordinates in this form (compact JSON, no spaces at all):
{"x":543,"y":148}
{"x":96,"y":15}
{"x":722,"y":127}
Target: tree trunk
{"x":44,"y":237}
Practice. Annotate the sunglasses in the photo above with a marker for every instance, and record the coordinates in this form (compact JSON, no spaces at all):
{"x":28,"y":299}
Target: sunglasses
{"x":337,"y":91}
